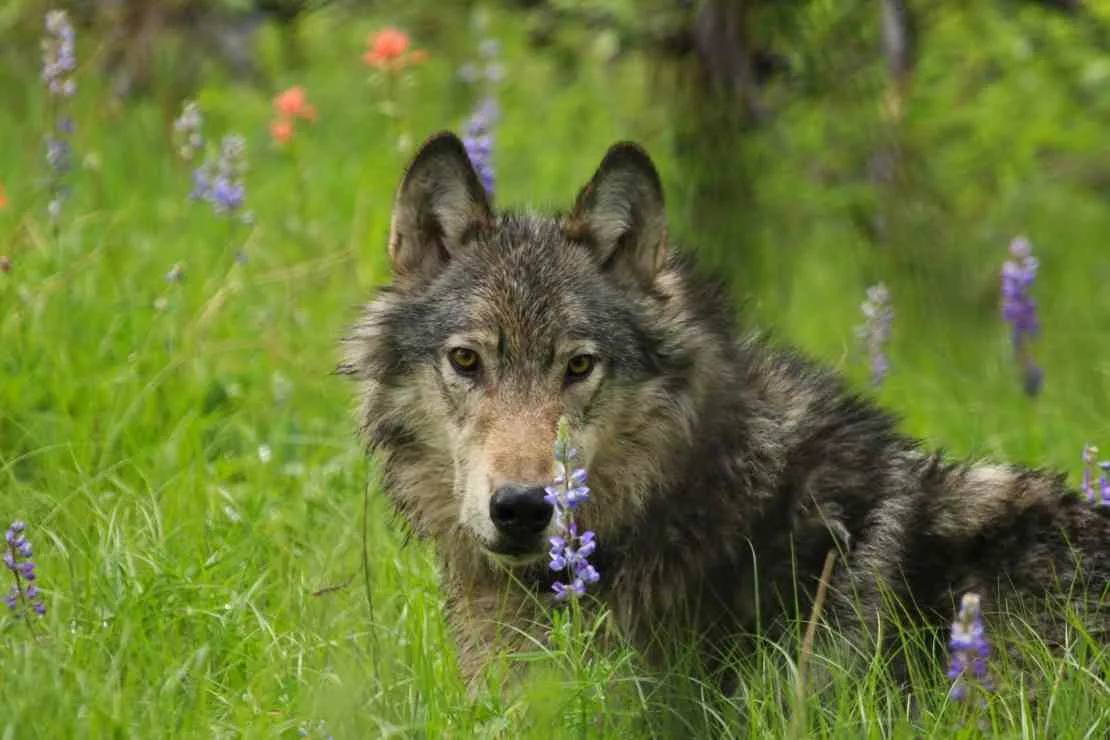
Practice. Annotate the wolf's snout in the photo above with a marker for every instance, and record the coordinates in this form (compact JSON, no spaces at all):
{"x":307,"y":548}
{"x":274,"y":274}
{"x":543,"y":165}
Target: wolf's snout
{"x":518,"y":511}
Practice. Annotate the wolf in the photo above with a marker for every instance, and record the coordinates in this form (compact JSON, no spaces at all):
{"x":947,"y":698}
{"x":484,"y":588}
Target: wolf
{"x":723,"y":468}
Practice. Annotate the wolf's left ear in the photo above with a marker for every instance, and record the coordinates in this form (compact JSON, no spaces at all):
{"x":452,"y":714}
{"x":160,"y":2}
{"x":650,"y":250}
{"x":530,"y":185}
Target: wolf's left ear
{"x":620,"y":214}
{"x":440,"y":206}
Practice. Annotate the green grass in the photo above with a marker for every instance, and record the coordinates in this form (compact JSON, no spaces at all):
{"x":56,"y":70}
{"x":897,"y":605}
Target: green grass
{"x":183,"y":565}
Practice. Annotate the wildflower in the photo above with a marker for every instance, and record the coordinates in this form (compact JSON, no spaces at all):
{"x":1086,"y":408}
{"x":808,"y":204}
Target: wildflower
{"x":281,"y":131}
{"x":59,"y":60}
{"x":969,"y":649}
{"x":17,"y":559}
{"x":188,"y":129}
{"x":491,"y":71}
{"x":1020,"y":310}
{"x":221,"y":184}
{"x":1087,"y":487}
{"x":875,"y":331}
{"x":290,"y":105}
{"x":293,"y":103}
{"x":1104,"y":481}
{"x":478,"y":140}
{"x":59,"y":55}
{"x":570,"y":551}
{"x":3,"y":197}
{"x":389,"y":51}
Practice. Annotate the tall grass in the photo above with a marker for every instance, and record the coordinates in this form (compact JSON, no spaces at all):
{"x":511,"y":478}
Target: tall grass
{"x":186,"y":460}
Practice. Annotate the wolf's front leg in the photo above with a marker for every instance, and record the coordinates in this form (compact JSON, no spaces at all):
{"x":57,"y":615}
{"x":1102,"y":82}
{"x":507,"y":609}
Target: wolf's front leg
{"x":491,"y":620}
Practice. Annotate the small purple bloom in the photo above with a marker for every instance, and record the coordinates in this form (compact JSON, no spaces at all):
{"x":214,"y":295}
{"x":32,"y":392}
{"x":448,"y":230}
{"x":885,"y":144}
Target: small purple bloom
{"x":478,"y":140}
{"x":875,"y":331}
{"x":59,"y":54}
{"x":221,"y":183}
{"x":570,"y":551}
{"x":1104,"y":482}
{"x":1087,"y":487}
{"x":1020,"y":310}
{"x":969,"y":649}
{"x":188,"y":130}
{"x":59,"y":60}
{"x":17,"y":560}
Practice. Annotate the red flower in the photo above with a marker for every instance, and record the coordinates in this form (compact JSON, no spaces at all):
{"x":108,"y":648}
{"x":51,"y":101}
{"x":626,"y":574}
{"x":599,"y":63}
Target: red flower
{"x":293,"y":103}
{"x":281,"y":130}
{"x":389,"y":50}
{"x":3,"y":197}
{"x":290,"y":105}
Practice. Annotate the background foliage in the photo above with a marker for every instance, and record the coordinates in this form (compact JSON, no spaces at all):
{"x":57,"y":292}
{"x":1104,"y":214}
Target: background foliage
{"x":186,"y":462}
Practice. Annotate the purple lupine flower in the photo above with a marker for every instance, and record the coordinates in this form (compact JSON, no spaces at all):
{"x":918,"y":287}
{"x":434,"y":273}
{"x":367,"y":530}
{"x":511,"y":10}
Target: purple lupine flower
{"x":1020,"y":310}
{"x":490,"y":71}
{"x":188,"y":131}
{"x":478,"y":140}
{"x":1104,"y":482}
{"x":17,"y":559}
{"x":969,"y":649}
{"x":478,"y":134}
{"x":59,"y":60}
{"x":222,"y":183}
{"x":59,"y":55}
{"x":875,"y":331}
{"x":570,"y":551}
{"x":1087,"y":487}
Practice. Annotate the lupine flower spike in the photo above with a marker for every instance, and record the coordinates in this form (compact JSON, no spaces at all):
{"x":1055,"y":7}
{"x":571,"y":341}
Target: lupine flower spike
{"x":1020,"y":310}
{"x":478,"y":140}
{"x":875,"y":331}
{"x":1104,"y":481}
{"x":1087,"y":487}
{"x":188,"y":131}
{"x":478,"y":131}
{"x":59,"y":60}
{"x":25,"y":594}
{"x":969,"y":650}
{"x":222,"y":184}
{"x":570,"y":551}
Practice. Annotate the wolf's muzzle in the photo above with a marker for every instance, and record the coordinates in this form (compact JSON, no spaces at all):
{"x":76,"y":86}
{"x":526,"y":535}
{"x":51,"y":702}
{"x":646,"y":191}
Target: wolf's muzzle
{"x":519,"y":512}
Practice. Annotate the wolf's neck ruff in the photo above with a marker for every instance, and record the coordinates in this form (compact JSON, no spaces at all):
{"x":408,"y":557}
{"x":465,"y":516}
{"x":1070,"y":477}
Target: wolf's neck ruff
{"x":722,"y":470}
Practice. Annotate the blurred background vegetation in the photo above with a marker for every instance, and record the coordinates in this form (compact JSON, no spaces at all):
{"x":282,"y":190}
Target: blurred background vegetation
{"x":809,"y":148}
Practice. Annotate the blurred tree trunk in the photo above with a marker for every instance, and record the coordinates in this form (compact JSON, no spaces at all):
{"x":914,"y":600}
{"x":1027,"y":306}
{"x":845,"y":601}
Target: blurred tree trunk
{"x":886,"y":167}
{"x":899,"y":40}
{"x":723,"y":42}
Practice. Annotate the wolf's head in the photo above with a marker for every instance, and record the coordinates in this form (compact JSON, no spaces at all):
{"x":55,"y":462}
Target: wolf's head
{"x":496,"y":326}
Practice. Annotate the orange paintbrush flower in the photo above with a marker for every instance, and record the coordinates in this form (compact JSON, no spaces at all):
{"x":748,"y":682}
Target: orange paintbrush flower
{"x":293,"y":103}
{"x":281,"y":130}
{"x":290,"y":105}
{"x":389,"y":50}
{"x":3,"y":197}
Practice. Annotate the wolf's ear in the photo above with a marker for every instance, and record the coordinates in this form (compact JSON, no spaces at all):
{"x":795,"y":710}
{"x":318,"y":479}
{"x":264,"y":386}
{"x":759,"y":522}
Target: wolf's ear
{"x":620,"y":214}
{"x":440,"y":207}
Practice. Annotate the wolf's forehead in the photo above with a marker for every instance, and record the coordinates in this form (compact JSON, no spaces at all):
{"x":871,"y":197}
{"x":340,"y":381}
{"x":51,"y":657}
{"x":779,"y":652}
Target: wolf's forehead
{"x":527,"y":284}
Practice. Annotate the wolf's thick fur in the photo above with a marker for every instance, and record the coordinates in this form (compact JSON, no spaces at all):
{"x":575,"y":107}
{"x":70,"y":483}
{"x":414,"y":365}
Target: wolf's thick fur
{"x":722,"y":469}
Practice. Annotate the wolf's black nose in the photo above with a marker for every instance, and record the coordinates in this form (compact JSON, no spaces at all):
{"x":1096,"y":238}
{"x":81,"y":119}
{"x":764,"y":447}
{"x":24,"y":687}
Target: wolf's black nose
{"x":517,"y":510}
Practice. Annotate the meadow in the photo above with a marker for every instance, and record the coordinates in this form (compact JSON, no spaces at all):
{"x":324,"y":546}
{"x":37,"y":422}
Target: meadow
{"x":185,"y":459}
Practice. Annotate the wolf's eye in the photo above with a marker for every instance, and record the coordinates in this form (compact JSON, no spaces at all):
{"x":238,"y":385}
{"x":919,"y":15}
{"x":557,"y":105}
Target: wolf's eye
{"x":465,"y":361}
{"x":579,"y":367}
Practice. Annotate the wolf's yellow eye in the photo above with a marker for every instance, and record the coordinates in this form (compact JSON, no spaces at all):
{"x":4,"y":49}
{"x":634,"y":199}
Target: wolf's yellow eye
{"x":579,"y":367}
{"x":464,"y":360}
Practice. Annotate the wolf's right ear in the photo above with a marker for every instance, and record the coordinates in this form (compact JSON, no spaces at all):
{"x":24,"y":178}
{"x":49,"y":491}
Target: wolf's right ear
{"x":440,"y":206}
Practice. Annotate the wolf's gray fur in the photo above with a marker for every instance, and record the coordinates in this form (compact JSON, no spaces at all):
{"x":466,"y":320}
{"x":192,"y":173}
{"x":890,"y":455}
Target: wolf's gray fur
{"x":722,"y":469}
